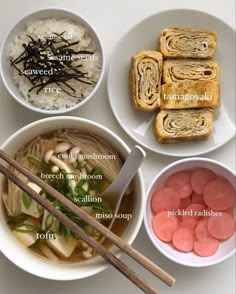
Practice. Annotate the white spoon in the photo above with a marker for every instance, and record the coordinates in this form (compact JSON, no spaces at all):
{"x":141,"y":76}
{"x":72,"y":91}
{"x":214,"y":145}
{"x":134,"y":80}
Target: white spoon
{"x":115,"y":192}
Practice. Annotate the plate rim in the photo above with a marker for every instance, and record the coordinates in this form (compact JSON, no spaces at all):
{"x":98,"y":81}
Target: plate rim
{"x":132,"y":136}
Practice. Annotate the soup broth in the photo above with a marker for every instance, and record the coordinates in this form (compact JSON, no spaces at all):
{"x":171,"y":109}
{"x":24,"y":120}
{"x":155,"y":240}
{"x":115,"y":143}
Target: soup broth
{"x":78,"y":165}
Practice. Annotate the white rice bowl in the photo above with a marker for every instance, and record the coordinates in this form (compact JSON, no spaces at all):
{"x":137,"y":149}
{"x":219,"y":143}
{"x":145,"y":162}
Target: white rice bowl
{"x":91,"y":64}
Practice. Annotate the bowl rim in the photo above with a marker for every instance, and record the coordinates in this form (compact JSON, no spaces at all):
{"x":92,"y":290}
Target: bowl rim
{"x":148,"y":196}
{"x":67,"y":277}
{"x":19,"y":98}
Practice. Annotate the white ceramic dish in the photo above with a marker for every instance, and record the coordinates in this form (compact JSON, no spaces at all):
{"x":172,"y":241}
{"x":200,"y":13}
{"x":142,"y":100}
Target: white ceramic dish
{"x":5,"y":67}
{"x":144,"y":36}
{"x":226,"y":249}
{"x":37,"y":265}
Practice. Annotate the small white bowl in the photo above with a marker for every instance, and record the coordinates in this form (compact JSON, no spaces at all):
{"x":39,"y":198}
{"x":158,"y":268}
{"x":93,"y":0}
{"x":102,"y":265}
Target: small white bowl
{"x":35,"y":264}
{"x":6,"y":69}
{"x":226,"y":249}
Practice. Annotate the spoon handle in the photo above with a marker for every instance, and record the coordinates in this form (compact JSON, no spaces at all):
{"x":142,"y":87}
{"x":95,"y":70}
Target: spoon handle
{"x":127,"y":172}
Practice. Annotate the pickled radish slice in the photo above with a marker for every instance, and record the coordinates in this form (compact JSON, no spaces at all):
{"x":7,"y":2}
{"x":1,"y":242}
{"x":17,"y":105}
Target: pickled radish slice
{"x":183,"y":240}
{"x":165,"y":200}
{"x":164,"y":226}
{"x":219,"y":195}
{"x":180,"y":182}
{"x":221,"y":227}
{"x":206,"y":247}
{"x":200,"y":178}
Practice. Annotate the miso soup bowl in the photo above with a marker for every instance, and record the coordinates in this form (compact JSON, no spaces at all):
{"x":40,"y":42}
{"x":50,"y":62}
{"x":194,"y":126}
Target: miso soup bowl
{"x":40,"y":266}
{"x":6,"y":69}
{"x":226,"y":248}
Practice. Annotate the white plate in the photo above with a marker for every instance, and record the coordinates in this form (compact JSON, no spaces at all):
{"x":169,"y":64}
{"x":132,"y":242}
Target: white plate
{"x":144,"y":36}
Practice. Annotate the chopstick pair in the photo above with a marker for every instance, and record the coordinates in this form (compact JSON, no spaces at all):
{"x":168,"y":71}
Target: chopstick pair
{"x":99,"y":248}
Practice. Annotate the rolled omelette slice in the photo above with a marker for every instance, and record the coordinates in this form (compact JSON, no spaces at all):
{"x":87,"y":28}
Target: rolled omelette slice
{"x":177,"y":70}
{"x":145,"y":80}
{"x":187,"y":43}
{"x":190,"y":94}
{"x":173,"y":126}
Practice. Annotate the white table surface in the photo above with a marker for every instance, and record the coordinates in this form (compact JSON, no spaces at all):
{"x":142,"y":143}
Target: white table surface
{"x":112,"y":19}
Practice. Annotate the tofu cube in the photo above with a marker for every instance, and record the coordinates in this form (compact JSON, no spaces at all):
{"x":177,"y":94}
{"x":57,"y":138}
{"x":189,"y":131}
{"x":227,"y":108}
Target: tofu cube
{"x":34,"y":209}
{"x":27,"y":239}
{"x":49,"y":222}
{"x":61,"y":246}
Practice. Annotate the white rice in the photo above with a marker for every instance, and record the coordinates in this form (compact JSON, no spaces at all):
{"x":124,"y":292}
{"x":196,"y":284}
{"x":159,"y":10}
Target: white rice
{"x":44,"y":28}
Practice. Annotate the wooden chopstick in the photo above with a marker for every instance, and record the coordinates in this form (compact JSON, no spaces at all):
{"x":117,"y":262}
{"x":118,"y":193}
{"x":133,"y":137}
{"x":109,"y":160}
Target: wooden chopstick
{"x":157,"y":271}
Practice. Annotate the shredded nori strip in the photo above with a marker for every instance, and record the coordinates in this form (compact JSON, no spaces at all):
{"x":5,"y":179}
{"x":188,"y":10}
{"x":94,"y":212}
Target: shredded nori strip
{"x":54,"y":55}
